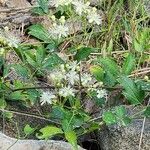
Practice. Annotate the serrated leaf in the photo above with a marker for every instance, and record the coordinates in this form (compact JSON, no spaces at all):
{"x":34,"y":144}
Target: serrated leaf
{"x":128,"y":65}
{"x":49,"y":131}
{"x":109,"y":118}
{"x":98,"y":72}
{"x":83,"y":53}
{"x":43,"y":4}
{"x":112,"y":71}
{"x":72,"y":139}
{"x":52,"y":61}
{"x":21,"y":70}
{"x":40,"y":55}
{"x":134,"y":94}
{"x":39,"y":32}
{"x":120,"y":111}
{"x":30,"y":59}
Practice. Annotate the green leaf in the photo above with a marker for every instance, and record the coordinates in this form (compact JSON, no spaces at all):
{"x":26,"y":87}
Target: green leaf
{"x":121,"y":115}
{"x":112,"y":71}
{"x":71,"y":137}
{"x":31,"y":60}
{"x":143,"y":84}
{"x":3,"y":103}
{"x":83,"y":53}
{"x":57,"y":112}
{"x":49,"y":131}
{"x":125,"y":121}
{"x":110,"y":65}
{"x":28,"y":130}
{"x":147,"y":112}
{"x":52,"y":61}
{"x":110,"y":46}
{"x":120,"y":111}
{"x":98,"y":72}
{"x":39,"y":32}
{"x":134,"y":94}
{"x":21,"y":70}
{"x":43,"y":5}
{"x":37,"y":11}
{"x":17,"y":95}
{"x":109,"y":118}
{"x":8,"y":115}
{"x":129,"y":64}
{"x":40,"y":55}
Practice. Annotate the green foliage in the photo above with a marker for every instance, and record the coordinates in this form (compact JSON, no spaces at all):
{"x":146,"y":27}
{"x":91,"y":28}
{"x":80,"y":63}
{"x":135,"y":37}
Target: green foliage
{"x":72,"y":139}
{"x":48,"y":132}
{"x":109,"y":118}
{"x":39,"y":32}
{"x":83,"y":53}
{"x":128,"y":65}
{"x":134,"y":94}
{"x":98,"y":73}
{"x":112,"y":71}
{"x":42,"y":9}
{"x":118,"y":115}
{"x":101,"y":72}
{"x":28,"y":130}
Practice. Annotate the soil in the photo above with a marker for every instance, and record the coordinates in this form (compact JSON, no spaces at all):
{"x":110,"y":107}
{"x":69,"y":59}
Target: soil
{"x":14,"y":127}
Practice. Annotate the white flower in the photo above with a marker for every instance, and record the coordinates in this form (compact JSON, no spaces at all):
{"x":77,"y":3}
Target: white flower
{"x":80,"y":6}
{"x":59,"y":31}
{"x":47,"y":97}
{"x":9,"y":38}
{"x":94,"y":17}
{"x":56,"y":76}
{"x":72,"y":65}
{"x":72,"y":77}
{"x":57,"y":3}
{"x":101,"y":93}
{"x":86,"y":79}
{"x":66,"y":91}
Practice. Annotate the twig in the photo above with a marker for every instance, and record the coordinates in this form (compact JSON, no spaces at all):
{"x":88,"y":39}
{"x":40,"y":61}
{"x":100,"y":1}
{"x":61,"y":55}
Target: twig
{"x":139,"y":73}
{"x":29,"y":115}
{"x":16,"y":9}
{"x":142,"y":130}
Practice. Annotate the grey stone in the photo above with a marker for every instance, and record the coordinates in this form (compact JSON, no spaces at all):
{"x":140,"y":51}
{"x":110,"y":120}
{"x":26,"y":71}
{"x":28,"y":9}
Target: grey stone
{"x":14,"y":144}
{"x":115,"y":137}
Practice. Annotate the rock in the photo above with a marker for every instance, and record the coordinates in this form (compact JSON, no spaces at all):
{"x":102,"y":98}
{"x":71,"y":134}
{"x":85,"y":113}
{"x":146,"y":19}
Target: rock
{"x":14,"y":144}
{"x":125,"y":138}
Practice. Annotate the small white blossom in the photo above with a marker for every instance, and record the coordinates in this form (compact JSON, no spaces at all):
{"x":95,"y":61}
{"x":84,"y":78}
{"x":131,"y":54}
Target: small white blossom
{"x":94,"y":17}
{"x":101,"y":93}
{"x":58,"y":31}
{"x":72,"y":65}
{"x":66,"y":91}
{"x":80,"y":6}
{"x":47,"y":97}
{"x":72,"y":77}
{"x":57,"y":3}
{"x":56,"y":76}
{"x":9,"y":38}
{"x":86,"y":79}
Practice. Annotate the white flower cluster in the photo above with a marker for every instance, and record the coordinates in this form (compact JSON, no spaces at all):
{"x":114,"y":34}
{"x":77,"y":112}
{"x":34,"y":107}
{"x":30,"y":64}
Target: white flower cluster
{"x":66,"y":78}
{"x":8,"y":38}
{"x":57,"y":3}
{"x":59,"y":29}
{"x":81,"y":8}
